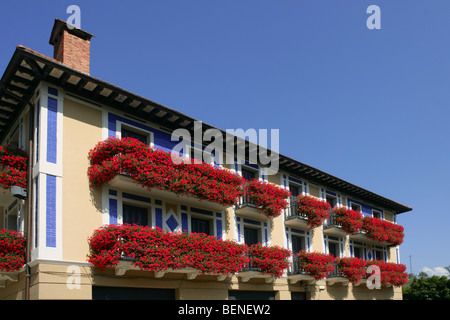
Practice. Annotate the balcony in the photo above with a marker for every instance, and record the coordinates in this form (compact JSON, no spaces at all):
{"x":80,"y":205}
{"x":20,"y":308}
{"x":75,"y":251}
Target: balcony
{"x":337,"y":277}
{"x":252,"y":270}
{"x":141,"y":248}
{"x":332,"y":227}
{"x":127,"y":184}
{"x":293,"y":218}
{"x":298,"y":274}
{"x":246,"y":209}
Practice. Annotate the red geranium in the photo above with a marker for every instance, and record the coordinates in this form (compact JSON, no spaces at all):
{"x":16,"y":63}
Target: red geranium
{"x":350,"y":220}
{"x":314,"y":209}
{"x":157,"y":250}
{"x":155,"y":169}
{"x":383,"y":230}
{"x":12,"y":250}
{"x":391,"y":273}
{"x":270,"y":199}
{"x":317,"y":264}
{"x":14,"y":163}
{"x":353,"y":268}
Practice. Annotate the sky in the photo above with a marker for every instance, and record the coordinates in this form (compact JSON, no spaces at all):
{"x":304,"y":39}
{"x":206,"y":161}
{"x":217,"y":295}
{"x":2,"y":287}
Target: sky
{"x":370,"y":106}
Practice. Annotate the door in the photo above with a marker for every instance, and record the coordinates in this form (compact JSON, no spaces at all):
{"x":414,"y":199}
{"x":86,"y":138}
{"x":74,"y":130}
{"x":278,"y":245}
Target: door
{"x":250,"y":236}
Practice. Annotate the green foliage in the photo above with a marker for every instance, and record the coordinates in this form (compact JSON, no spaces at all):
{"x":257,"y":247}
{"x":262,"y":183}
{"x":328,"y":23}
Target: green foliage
{"x":424,"y":287}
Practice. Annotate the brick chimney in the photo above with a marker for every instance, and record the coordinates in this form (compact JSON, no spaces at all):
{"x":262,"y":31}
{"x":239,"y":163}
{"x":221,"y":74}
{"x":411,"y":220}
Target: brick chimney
{"x":71,"y":46}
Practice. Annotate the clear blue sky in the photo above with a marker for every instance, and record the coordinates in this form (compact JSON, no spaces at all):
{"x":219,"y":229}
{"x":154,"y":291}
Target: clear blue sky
{"x":369,"y":106}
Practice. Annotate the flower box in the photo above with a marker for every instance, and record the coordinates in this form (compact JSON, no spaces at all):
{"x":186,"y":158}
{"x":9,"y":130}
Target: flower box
{"x":193,"y":254}
{"x":315,"y":210}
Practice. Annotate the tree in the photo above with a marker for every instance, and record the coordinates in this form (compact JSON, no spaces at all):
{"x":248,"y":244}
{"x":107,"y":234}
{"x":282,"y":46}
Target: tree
{"x":425,"y":287}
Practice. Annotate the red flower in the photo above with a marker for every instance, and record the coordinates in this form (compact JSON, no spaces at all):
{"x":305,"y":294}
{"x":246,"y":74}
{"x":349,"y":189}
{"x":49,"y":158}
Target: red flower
{"x":270,"y":199}
{"x":316,"y":264}
{"x":352,"y":268}
{"x":391,"y":273}
{"x":12,"y":250}
{"x":383,"y":230}
{"x":14,"y":163}
{"x":156,"y":250}
{"x":350,"y":220}
{"x":314,"y":209}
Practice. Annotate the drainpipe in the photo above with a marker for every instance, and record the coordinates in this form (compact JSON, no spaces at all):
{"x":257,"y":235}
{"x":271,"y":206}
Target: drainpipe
{"x":30,"y":201}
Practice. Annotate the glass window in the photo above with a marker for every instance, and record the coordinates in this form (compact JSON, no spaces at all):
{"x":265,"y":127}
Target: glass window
{"x":333,"y":248}
{"x":200,"y":226}
{"x":331,"y":200}
{"x":376,"y":214}
{"x":295,"y":191}
{"x":251,"y":236}
{"x":248,"y":175}
{"x":298,"y":244}
{"x":357,"y":252}
{"x":355,"y":207}
{"x":126,"y":133}
{"x":135,"y":215}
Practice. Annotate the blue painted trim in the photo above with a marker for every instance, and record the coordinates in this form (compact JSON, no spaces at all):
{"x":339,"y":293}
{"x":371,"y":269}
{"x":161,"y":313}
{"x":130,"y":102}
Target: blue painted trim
{"x":256,"y":223}
{"x":197,"y":210}
{"x":219,"y":228}
{"x":51,"y":212}
{"x":298,"y":231}
{"x":158,"y":218}
{"x":295,"y":180}
{"x":52,"y":91}
{"x":112,"y":211}
{"x":136,"y":197}
{"x":184,"y":222}
{"x":52,"y":126}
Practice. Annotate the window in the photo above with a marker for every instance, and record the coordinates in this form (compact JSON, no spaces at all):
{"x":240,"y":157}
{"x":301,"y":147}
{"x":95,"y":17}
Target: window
{"x":379,"y":254}
{"x":358,"y":252}
{"x":135,"y":215}
{"x":298,"y":244}
{"x":248,"y":174}
{"x":201,"y":226}
{"x":355,"y":206}
{"x":127,"y":133}
{"x":376,"y":214}
{"x":11,"y":219}
{"x":251,"y":236}
{"x":331,"y":200}
{"x":295,"y":190}
{"x":333,"y":248}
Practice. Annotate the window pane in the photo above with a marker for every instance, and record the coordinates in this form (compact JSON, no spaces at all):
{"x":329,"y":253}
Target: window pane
{"x":130,"y":134}
{"x":250,"y":236}
{"x":295,"y":191}
{"x":248,"y":175}
{"x":200,"y":226}
{"x":135,"y":215}
{"x":298,"y":244}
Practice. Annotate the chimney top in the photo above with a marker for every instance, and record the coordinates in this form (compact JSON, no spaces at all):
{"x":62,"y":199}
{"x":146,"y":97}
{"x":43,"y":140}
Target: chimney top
{"x":71,"y":45}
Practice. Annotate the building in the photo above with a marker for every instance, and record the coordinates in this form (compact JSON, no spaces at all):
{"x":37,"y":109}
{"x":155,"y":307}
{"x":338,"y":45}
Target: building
{"x":55,"y":111}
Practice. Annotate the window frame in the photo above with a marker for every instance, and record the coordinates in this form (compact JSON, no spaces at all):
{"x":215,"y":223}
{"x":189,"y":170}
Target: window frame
{"x":137,"y":130}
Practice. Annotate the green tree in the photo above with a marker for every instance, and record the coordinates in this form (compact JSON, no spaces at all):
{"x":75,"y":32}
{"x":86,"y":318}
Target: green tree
{"x":424,"y":287}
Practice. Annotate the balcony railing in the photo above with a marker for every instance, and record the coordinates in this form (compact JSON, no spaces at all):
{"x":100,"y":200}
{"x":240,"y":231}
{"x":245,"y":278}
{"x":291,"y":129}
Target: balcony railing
{"x":247,"y":209}
{"x":332,"y":226}
{"x":292,"y":213}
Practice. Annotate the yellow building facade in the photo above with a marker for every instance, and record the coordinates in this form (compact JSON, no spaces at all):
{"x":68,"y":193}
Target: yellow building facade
{"x":57,"y":113}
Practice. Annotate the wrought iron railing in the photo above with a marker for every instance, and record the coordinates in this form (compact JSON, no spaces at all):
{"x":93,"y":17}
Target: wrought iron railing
{"x":331,"y":222}
{"x":244,"y":201}
{"x":291,"y":211}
